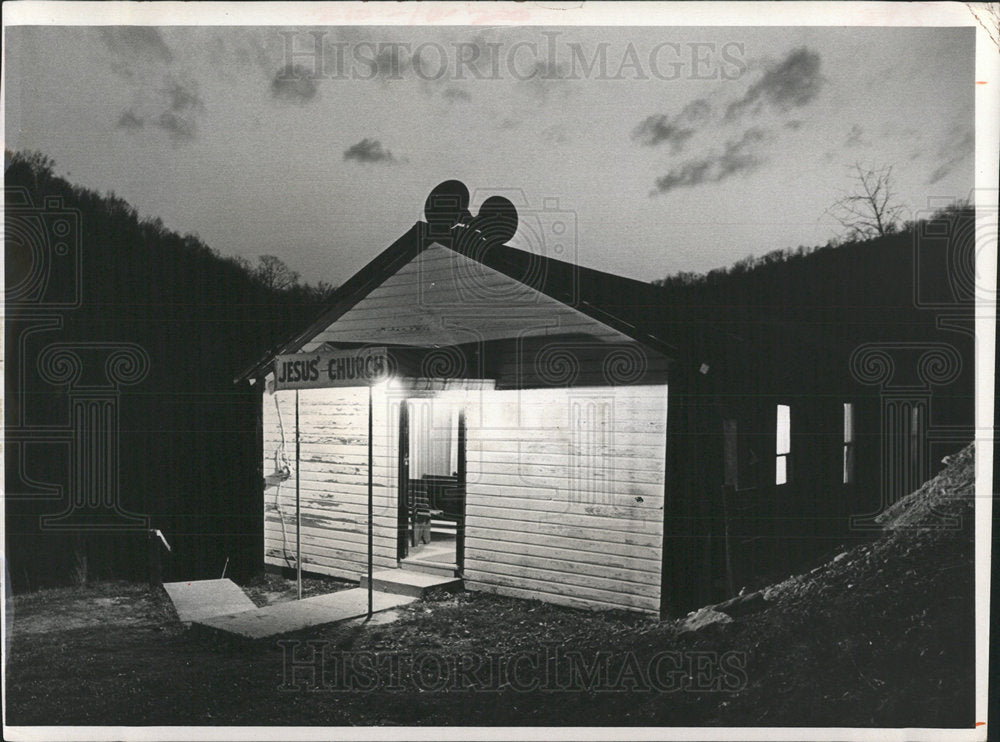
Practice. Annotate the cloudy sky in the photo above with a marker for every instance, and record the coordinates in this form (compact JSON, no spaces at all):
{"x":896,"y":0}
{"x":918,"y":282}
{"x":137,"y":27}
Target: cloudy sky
{"x":660,"y":149}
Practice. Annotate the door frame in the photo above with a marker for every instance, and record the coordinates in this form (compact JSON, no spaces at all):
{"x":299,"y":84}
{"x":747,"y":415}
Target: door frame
{"x":403,"y":514}
{"x":462,"y":484}
{"x":403,"y":486}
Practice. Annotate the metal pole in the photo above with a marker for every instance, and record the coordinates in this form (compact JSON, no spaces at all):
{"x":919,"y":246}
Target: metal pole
{"x":298,"y":509}
{"x":371,"y":507}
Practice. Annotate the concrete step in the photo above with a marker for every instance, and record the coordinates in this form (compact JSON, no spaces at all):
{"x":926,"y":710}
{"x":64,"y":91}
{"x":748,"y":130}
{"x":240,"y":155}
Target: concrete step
{"x":298,"y":615}
{"x":428,"y":567}
{"x":197,"y":599}
{"x":409,"y":582}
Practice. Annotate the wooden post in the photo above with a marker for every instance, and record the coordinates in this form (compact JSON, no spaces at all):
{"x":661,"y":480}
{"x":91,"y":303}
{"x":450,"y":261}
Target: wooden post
{"x":402,"y":475}
{"x":371,"y":505}
{"x":462,"y":475}
{"x":298,"y":509}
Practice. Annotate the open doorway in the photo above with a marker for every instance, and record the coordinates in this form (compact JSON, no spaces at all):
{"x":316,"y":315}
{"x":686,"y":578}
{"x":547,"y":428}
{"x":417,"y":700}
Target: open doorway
{"x":431,"y":484}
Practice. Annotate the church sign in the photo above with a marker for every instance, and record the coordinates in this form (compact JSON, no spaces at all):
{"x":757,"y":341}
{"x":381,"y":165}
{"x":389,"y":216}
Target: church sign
{"x":359,"y":367}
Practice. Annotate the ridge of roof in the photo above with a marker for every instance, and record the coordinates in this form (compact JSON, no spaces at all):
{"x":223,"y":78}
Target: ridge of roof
{"x":605,"y":297}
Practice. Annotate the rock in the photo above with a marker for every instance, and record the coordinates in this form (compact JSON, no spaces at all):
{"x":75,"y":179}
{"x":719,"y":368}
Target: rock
{"x":775,"y":592}
{"x":704,"y":617}
{"x":742,"y":604}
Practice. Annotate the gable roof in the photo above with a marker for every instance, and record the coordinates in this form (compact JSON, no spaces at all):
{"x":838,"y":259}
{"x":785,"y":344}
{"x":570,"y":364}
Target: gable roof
{"x":631,"y":307}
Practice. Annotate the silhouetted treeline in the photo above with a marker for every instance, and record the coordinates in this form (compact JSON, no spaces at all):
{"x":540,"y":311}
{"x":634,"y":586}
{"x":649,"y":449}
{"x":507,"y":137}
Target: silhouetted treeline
{"x":896,"y":287}
{"x":187,"y":433}
{"x":914,"y":287}
{"x":933,"y":250}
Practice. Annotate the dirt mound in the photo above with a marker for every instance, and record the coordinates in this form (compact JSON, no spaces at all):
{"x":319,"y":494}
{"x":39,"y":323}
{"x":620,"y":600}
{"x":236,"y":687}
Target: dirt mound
{"x":881,"y":634}
{"x":942,"y":502}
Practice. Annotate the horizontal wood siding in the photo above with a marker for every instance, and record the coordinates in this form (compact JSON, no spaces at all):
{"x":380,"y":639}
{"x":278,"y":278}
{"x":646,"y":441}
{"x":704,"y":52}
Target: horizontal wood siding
{"x":333,"y":479}
{"x":477,"y":303}
{"x":565,"y":495}
{"x":565,"y":488}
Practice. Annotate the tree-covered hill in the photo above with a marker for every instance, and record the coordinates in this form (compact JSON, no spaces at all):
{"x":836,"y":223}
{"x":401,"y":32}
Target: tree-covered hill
{"x":187,"y":432}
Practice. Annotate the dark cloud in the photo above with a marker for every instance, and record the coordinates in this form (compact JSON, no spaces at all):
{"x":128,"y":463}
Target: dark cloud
{"x":183,"y":97}
{"x":794,"y":124}
{"x":368,"y":150}
{"x":856,"y":138}
{"x":167,"y":104}
{"x":792,"y":83}
{"x":294,"y":84}
{"x":179,"y":128}
{"x":137,"y":42}
{"x":130,"y":121}
{"x":952,"y":153}
{"x":697,"y":111}
{"x":940,"y":172}
{"x":739,"y":156}
{"x":183,"y":107}
{"x":689,"y":174}
{"x":179,"y":109}
{"x":456,"y":95}
{"x":659,"y":128}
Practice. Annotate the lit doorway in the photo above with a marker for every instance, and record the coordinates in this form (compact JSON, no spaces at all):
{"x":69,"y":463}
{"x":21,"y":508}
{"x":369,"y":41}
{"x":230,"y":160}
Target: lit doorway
{"x":432,"y":461}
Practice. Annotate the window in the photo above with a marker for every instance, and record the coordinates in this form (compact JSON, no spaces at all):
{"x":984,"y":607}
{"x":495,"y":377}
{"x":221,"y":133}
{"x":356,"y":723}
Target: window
{"x":848,"y":443}
{"x":783,"y":448}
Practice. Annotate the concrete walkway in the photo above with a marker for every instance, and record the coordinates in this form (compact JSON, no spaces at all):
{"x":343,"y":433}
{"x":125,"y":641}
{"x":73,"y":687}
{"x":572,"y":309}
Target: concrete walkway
{"x":200,"y":599}
{"x":296,"y":615}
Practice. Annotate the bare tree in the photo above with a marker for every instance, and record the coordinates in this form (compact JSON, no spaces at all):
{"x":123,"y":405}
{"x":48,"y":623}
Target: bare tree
{"x":870,"y":209}
{"x":273,"y":273}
